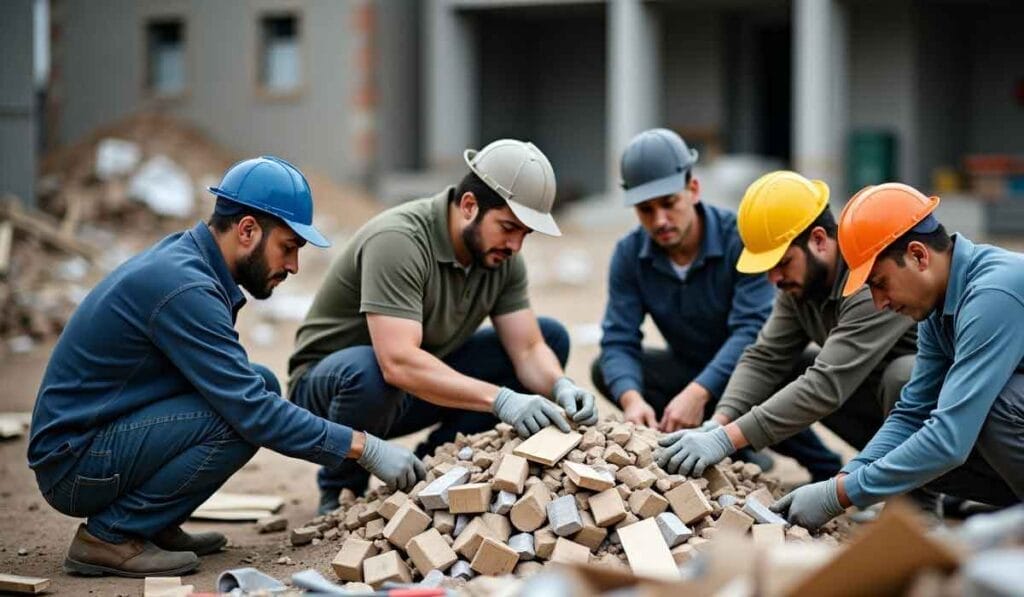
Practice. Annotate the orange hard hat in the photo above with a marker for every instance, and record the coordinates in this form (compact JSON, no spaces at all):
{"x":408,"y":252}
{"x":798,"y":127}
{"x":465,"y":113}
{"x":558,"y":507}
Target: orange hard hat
{"x":872,"y":219}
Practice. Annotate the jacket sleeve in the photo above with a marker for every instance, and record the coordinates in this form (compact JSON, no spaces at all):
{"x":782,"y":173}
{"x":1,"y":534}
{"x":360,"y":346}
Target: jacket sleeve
{"x":751,"y":304}
{"x":621,"y":339}
{"x":193,"y":328}
{"x":860,"y":341}
{"x":987,"y":334}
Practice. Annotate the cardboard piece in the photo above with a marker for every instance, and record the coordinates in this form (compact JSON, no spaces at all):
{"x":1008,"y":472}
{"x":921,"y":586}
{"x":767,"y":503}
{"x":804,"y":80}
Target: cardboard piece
{"x":548,"y":446}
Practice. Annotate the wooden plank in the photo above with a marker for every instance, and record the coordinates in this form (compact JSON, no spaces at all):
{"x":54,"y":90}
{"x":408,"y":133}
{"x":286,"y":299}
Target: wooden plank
{"x":41,"y":225}
{"x":238,"y":501}
{"x":26,"y":585}
{"x":548,"y":446}
{"x":231,"y":515}
{"x":647,"y":551}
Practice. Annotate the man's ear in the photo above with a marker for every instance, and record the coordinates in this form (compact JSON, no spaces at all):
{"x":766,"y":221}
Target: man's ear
{"x":249,"y":232}
{"x":818,"y":239}
{"x":918,"y":255}
{"x":468,"y":205}
{"x":694,"y":187}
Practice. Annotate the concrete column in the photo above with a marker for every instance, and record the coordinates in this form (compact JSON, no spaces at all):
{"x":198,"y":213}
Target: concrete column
{"x":18,"y":129}
{"x":452,"y":90}
{"x":820,"y":91}
{"x":634,"y":90}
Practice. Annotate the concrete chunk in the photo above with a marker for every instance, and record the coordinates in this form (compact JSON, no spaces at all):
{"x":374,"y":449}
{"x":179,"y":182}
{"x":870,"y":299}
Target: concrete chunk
{"x":762,"y":514}
{"x":522,"y":544}
{"x":466,"y":453}
{"x":564,"y":516}
{"x":463,"y":570}
{"x":672,"y":529}
{"x":503,"y":502}
{"x":435,"y":495}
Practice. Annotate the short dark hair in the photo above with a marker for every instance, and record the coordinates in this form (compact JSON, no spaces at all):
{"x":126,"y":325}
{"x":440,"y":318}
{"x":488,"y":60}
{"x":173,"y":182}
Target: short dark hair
{"x":937,"y":240}
{"x":486,"y":197}
{"x":222,"y":222}
{"x":826,"y":220}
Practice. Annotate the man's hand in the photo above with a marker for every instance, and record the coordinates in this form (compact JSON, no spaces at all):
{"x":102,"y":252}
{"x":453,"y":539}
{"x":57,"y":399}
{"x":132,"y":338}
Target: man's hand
{"x":636,"y":410}
{"x":689,"y":452}
{"x":812,"y":505}
{"x":686,"y":410}
{"x":578,"y":403}
{"x":396,"y":466}
{"x":528,"y":413}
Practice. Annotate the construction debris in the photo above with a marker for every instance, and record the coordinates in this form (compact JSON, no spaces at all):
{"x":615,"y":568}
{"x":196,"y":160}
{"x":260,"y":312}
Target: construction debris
{"x":225,"y":507}
{"x":27,"y":585}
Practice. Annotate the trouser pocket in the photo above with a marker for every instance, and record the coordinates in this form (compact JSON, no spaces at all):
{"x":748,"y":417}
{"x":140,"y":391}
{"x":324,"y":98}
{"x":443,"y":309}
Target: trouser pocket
{"x":90,"y":495}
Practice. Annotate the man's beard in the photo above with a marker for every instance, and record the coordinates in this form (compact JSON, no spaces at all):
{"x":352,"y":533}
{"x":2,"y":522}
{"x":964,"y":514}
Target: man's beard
{"x":815,"y":280}
{"x":475,"y":245}
{"x":254,"y":273}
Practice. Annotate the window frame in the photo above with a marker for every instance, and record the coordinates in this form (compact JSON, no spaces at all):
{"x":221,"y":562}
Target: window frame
{"x":286,"y":9}
{"x":146,"y":20}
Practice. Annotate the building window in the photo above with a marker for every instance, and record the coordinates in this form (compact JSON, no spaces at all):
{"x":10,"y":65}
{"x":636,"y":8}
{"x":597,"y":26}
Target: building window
{"x":165,"y":56}
{"x":280,"y":57}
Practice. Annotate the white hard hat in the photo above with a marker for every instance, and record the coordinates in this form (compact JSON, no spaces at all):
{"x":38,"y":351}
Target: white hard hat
{"x":524,"y":178}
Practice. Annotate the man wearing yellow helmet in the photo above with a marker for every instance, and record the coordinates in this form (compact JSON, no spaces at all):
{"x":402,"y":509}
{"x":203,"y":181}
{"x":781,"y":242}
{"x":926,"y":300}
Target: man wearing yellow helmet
{"x":865,"y":357}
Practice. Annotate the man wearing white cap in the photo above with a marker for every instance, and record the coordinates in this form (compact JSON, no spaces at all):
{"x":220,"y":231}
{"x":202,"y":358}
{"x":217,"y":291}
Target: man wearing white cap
{"x":391,"y":343}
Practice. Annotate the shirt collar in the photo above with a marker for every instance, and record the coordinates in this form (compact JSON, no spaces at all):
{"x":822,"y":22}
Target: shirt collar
{"x":711,"y":244}
{"x":439,"y":236}
{"x":963,"y":251}
{"x":210,"y":252}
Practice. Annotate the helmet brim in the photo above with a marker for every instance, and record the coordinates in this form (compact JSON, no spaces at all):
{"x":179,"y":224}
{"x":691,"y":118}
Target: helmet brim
{"x":670,"y":185}
{"x":310,"y":234}
{"x":858,"y":277}
{"x":758,"y":263}
{"x":533,"y":219}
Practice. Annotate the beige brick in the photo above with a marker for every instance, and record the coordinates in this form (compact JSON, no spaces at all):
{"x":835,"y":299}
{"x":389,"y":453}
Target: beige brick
{"x":511,"y":474}
{"x":682,"y":553}
{"x":614,"y":454}
{"x":430,"y":551}
{"x":494,"y":558}
{"x":544,"y":542}
{"x":768,"y":535}
{"x":390,"y":506}
{"x":688,"y":502}
{"x":569,"y":552}
{"x":499,"y":524}
{"x":470,"y":538}
{"x":761,"y":495}
{"x":734,"y":521}
{"x":408,"y":522}
{"x":530,"y":512}
{"x":590,"y":535}
{"x":636,"y":478}
{"x":588,"y":477}
{"x":385,"y":567}
{"x":646,"y":503}
{"x":717,"y":479}
{"x":471,"y":498}
{"x":647,"y":551}
{"x":374,"y":529}
{"x":548,"y":445}
{"x":607,"y":507}
{"x":348,"y":564}
{"x":620,"y":434}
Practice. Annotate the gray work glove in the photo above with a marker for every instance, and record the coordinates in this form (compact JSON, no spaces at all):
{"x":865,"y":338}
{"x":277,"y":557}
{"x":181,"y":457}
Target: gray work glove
{"x":812,"y":505}
{"x":688,"y":452}
{"x":396,"y":466}
{"x":578,"y":403}
{"x":528,"y":413}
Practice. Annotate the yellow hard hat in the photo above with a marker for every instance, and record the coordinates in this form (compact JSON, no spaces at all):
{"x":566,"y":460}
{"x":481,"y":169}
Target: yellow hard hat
{"x":775,"y":209}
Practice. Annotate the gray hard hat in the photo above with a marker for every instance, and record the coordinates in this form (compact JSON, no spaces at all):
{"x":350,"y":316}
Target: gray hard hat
{"x":522,"y":175}
{"x":655,"y":164}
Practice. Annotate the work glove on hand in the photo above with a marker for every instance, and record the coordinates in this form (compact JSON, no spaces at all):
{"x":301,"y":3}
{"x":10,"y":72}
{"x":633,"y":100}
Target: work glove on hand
{"x":528,"y":413}
{"x":689,"y":452}
{"x":812,"y":505}
{"x":578,"y":403}
{"x":396,"y":466}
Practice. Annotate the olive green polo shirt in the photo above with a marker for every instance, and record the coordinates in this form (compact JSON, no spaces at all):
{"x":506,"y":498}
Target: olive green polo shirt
{"x":402,"y":264}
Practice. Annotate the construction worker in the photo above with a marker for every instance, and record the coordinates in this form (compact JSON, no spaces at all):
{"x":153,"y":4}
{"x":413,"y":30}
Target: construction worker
{"x":957,"y":427}
{"x":391,"y":342}
{"x":865,"y":355}
{"x":149,"y":403}
{"x":678,"y":267}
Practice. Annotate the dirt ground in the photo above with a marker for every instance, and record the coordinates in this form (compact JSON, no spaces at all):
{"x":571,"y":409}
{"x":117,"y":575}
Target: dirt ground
{"x":568,"y":281}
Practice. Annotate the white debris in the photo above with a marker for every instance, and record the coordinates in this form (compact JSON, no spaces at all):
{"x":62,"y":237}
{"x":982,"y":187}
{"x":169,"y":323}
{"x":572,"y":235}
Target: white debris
{"x":164,"y":187}
{"x":116,"y":157}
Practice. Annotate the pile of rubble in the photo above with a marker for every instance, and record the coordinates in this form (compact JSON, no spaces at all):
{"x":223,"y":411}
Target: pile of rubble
{"x":493,"y":504}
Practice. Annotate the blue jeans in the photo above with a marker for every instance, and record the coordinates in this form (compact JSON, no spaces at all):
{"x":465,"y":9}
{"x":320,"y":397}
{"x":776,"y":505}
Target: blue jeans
{"x":150,"y":470}
{"x":347,"y":387}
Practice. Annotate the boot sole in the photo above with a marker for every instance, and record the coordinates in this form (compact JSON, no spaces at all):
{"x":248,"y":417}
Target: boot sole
{"x":97,"y":570}
{"x":212,"y":548}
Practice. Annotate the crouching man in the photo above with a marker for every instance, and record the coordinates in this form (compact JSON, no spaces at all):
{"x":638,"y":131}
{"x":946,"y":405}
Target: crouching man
{"x":149,"y":403}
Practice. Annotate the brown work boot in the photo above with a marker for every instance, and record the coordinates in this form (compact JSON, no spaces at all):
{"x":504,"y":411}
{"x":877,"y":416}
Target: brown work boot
{"x":201,"y":544}
{"x":134,"y":558}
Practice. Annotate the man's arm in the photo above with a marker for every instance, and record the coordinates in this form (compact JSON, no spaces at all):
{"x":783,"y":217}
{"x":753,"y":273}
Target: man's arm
{"x":536,"y":365}
{"x":861,"y":339}
{"x":396,"y":344}
{"x":765,"y":363}
{"x":194,"y":330}
{"x":621,"y":338}
{"x":989,"y":328}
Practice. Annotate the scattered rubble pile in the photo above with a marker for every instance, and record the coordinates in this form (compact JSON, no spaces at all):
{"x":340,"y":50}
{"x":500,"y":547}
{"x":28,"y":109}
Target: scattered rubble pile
{"x":494,"y":504}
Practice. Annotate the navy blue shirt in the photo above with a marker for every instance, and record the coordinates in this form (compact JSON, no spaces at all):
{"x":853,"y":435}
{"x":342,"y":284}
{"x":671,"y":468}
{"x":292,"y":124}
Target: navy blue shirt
{"x":162,"y":325}
{"x":708,"y":318}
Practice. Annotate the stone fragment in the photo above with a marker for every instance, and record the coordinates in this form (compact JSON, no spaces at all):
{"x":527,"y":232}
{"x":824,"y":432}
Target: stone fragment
{"x":466,"y":453}
{"x":348,"y":564}
{"x":564,"y":516}
{"x":429,"y":551}
{"x":503,"y":502}
{"x":390,"y":506}
{"x":463,"y":570}
{"x":592,"y":438}
{"x":636,"y":478}
{"x":688,"y":502}
{"x":590,"y":535}
{"x":768,"y":535}
{"x":522,"y":544}
{"x":511,"y":474}
{"x":762,"y":514}
{"x":682,"y":553}
{"x":607,"y":507}
{"x":435,"y":495}
{"x":469,"y":540}
{"x":304,"y":535}
{"x":374,"y":529}
{"x":614,"y":454}
{"x":499,"y":524}
{"x":444,"y":522}
{"x":569,"y":552}
{"x":470,"y":498}
{"x":385,"y":567}
{"x":544,"y":542}
{"x":530,"y":512}
{"x":717,"y":479}
{"x":647,"y":504}
{"x":672,"y":529}
{"x":588,"y":477}
{"x":494,"y":558}
{"x":734,"y":521}
{"x":272,"y":524}
{"x":408,"y":522}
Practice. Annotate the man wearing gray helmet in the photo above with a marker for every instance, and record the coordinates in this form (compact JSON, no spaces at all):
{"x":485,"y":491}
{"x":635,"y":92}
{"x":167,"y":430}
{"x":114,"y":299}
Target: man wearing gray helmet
{"x":678,"y":266}
{"x":391,"y":343}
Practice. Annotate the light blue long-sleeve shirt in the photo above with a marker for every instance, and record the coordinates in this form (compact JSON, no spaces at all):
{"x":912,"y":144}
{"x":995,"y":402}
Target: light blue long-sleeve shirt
{"x":967,"y":352}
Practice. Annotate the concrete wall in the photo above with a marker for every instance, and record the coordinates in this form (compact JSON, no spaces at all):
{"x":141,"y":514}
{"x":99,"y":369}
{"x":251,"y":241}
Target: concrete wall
{"x":399,"y":43}
{"x":693,"y":63}
{"x":102,"y":54}
{"x":17,"y":100}
{"x":997,"y":66}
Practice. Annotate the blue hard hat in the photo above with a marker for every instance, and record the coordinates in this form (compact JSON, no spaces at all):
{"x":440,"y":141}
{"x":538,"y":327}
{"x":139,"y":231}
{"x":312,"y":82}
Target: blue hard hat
{"x":655,"y":164}
{"x":273,"y":186}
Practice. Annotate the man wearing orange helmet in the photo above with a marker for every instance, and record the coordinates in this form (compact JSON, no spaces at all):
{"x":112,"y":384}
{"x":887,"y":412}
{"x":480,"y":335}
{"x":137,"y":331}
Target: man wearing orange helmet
{"x":957,"y":425}
{"x":864,"y":359}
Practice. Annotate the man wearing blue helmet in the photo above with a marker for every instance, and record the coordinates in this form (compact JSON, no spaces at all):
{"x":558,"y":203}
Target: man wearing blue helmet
{"x":149,"y":403}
